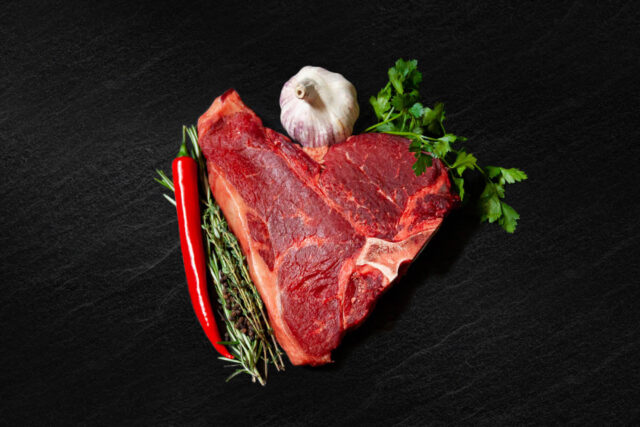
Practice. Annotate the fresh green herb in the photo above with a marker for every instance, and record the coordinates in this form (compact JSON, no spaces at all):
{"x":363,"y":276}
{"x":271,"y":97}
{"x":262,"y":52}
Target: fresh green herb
{"x":250,"y":336}
{"x":400,"y":112}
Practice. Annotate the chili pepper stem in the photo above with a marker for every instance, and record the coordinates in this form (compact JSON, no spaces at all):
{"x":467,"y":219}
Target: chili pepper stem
{"x":183,"y":148}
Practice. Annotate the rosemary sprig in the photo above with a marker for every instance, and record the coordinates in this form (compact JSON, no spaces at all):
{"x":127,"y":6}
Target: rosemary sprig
{"x":251,"y":339}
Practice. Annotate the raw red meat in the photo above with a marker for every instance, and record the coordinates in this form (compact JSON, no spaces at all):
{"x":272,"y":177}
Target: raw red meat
{"x":324,"y":233}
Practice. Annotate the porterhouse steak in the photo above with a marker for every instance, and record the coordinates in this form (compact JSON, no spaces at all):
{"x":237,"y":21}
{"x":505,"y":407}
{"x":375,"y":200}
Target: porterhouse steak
{"x":324,"y":233}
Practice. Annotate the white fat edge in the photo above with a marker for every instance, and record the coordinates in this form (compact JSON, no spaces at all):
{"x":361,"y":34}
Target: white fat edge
{"x":258,"y":265}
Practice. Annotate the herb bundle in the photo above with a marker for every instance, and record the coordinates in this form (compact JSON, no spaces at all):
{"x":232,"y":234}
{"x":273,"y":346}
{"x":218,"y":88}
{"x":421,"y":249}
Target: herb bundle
{"x":250,"y":337}
{"x":399,"y":111}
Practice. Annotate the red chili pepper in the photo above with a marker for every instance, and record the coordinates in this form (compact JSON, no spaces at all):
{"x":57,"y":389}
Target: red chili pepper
{"x":185,"y":181}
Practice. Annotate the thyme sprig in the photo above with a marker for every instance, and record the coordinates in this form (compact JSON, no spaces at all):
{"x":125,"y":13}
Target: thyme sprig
{"x":250,"y":336}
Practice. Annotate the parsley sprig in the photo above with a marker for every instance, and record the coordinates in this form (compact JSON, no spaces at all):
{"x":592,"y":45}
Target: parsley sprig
{"x":399,"y":111}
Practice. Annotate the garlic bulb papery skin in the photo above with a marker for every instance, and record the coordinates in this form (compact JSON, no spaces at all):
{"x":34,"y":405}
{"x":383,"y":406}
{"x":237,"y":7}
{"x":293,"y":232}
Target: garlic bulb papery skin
{"x":318,"y":107}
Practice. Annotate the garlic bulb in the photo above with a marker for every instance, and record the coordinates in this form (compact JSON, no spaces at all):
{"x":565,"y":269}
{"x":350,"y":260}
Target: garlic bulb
{"x":318,"y":107}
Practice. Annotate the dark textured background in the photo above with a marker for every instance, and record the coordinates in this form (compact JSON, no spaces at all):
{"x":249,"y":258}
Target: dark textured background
{"x":486,"y":328}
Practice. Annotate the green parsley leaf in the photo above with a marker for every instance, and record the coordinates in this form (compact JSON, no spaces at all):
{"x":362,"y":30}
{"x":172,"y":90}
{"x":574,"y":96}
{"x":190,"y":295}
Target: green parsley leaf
{"x":449,"y":137}
{"x":405,"y":68}
{"x":509,"y":218}
{"x":433,"y":119}
{"x":416,"y":110}
{"x":415,"y":77}
{"x":423,"y":161}
{"x":513,"y":175}
{"x":463,"y":162}
{"x":404,"y":72}
{"x":441,"y":147}
{"x":396,"y":80}
{"x":381,"y":103}
{"x":415,"y":146}
{"x":490,"y":209}
{"x":509,"y":176}
{"x":492,"y":171}
{"x":400,"y":102}
{"x":377,"y":107}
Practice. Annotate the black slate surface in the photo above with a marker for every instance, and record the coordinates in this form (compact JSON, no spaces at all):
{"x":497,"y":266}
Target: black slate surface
{"x":542,"y":327}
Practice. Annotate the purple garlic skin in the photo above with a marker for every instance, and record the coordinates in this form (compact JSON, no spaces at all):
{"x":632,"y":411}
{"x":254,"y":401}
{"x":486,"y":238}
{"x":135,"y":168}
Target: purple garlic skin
{"x":318,"y":107}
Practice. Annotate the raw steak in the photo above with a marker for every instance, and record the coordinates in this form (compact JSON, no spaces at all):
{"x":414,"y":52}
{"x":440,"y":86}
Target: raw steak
{"x":324,"y":234}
